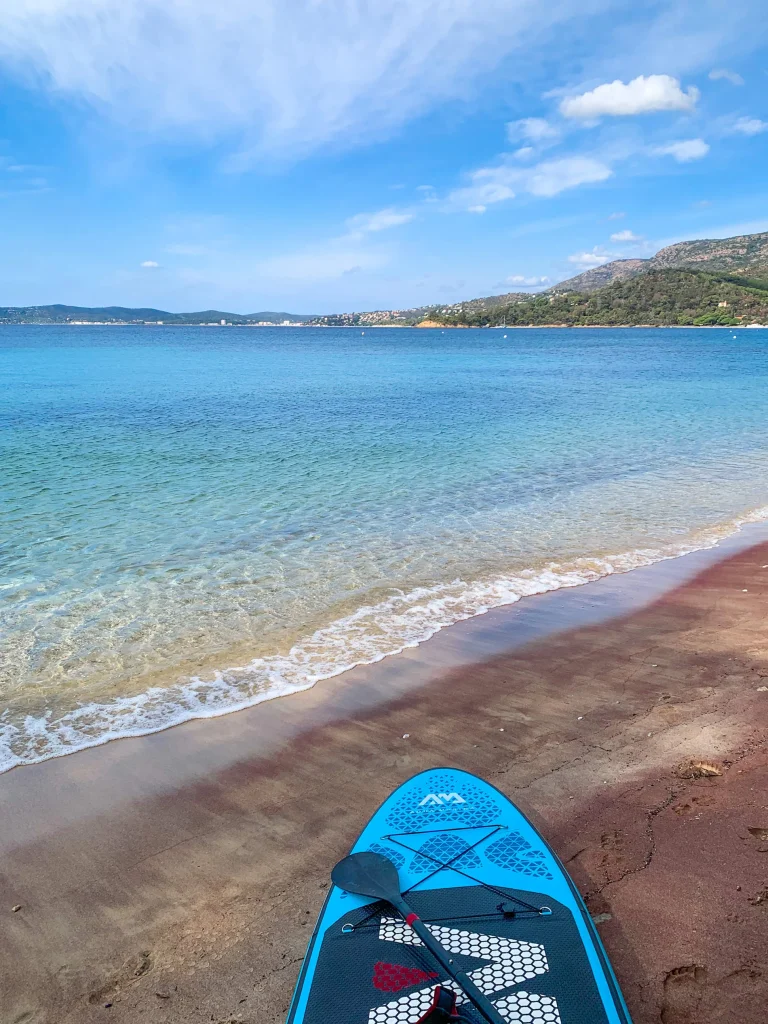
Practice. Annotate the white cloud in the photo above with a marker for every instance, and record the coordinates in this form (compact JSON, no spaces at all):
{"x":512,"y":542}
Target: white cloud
{"x":626,"y":236}
{"x":589,"y":260}
{"x":364,"y":223}
{"x":643,"y":95}
{"x":524,"y":153}
{"x":618,"y":215}
{"x":729,"y":76}
{"x":529,"y":281}
{"x":477,"y":209}
{"x":684,"y":151}
{"x":150,"y":264}
{"x":534,"y":129}
{"x":750,"y":126}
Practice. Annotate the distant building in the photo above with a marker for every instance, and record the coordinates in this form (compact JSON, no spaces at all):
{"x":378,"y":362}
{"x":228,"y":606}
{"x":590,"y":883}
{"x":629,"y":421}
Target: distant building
{"x":722,"y":305}
{"x":223,"y":323}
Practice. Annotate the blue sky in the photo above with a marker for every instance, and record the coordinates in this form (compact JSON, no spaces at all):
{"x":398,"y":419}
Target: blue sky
{"x":328,"y":155}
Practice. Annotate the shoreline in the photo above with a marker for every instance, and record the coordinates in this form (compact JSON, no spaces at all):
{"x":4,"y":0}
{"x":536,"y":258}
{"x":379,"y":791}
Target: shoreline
{"x":175,"y":877}
{"x":217,"y":692}
{"x":434,"y":326}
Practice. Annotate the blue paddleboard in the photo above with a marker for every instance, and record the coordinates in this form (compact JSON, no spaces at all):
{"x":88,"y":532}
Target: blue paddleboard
{"x":493,"y":894}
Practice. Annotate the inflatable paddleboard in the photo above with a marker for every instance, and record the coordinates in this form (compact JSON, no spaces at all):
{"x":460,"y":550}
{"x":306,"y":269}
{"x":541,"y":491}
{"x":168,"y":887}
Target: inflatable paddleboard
{"x":492,"y":893}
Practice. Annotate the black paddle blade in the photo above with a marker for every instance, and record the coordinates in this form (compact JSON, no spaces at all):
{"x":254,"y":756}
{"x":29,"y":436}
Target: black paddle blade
{"x":368,"y":874}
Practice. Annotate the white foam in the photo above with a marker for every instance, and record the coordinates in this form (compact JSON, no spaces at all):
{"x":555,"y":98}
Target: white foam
{"x":368,"y":635}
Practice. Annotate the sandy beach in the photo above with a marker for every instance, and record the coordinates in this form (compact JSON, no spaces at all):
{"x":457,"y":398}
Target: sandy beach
{"x":177,"y":877}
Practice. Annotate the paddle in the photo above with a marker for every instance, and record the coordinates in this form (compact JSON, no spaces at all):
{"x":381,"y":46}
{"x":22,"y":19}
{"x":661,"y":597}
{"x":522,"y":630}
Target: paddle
{"x":370,"y":874}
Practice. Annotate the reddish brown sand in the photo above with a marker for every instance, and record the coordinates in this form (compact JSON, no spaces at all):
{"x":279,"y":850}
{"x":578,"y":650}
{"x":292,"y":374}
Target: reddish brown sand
{"x":176,"y":878}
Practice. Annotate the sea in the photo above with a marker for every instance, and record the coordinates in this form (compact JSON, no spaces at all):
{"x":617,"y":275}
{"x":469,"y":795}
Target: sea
{"x":195,"y":520}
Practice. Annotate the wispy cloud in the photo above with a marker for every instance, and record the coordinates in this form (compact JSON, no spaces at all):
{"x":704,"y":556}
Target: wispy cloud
{"x":286,"y":76}
{"x":364,"y":223}
{"x":348,"y":253}
{"x":750,"y":126}
{"x":532,"y":129}
{"x":729,"y":76}
{"x":149,"y":264}
{"x":626,"y":236}
{"x":490,"y":185}
{"x":685,"y":150}
{"x":554,"y":176}
{"x":643,"y":95}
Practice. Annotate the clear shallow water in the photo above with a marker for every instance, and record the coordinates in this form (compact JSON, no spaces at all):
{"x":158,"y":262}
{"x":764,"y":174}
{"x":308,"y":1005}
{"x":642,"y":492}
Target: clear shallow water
{"x":194,"y":520}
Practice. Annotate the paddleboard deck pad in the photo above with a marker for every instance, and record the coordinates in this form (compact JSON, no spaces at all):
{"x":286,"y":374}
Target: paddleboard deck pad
{"x":492,"y":893}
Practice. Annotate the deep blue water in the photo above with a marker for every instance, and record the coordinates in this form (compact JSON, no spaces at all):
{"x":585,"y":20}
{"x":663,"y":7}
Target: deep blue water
{"x":179,"y":502}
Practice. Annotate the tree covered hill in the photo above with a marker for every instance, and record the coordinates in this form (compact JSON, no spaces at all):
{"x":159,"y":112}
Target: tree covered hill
{"x":60,"y":314}
{"x":657,"y":297}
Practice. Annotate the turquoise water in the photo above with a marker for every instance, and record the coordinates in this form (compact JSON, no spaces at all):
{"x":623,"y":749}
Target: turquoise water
{"x":194,"y":520}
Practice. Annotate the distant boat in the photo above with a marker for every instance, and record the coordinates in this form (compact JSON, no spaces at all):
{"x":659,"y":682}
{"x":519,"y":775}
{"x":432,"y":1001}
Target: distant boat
{"x":500,"y":327}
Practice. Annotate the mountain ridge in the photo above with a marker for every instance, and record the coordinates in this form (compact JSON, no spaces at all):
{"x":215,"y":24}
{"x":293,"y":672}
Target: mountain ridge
{"x":746,"y":255}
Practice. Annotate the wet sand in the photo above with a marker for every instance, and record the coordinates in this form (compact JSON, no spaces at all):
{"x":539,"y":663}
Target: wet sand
{"x":177,"y":877}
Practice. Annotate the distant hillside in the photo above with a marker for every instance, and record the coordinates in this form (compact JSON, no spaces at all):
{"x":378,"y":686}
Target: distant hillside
{"x":656,"y":297}
{"x":59,"y":314}
{"x":409,"y":317}
{"x":599,"y":277}
{"x":742,"y":256}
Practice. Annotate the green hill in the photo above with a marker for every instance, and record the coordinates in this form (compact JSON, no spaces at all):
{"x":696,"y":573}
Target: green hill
{"x":657,"y":297}
{"x":59,"y":314}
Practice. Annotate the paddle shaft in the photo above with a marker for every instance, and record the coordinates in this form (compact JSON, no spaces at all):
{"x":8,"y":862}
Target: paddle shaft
{"x":485,"y":1006}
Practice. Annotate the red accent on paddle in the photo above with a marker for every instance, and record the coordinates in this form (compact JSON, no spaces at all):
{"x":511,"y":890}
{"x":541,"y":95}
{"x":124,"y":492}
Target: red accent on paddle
{"x":393,"y":977}
{"x":411,"y":918}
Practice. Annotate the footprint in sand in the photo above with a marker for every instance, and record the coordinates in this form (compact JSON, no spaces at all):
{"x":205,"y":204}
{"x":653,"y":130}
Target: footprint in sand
{"x":693,"y":804}
{"x":133,"y":968}
{"x":693,"y":996}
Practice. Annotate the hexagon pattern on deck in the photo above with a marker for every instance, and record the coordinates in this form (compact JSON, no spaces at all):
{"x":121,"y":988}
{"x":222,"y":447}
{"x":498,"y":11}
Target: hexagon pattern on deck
{"x":511,"y":962}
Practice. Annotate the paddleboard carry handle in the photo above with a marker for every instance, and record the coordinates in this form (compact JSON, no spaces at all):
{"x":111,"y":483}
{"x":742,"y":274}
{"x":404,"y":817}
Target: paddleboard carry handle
{"x":371,"y":874}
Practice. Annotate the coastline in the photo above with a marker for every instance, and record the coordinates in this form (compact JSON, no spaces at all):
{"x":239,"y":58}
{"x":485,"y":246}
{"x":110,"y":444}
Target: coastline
{"x":176,"y":876}
{"x":430,"y":326}
{"x":403,"y":620}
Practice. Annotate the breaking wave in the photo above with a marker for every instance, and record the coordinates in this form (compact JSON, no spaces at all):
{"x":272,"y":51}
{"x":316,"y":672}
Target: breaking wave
{"x":368,"y":635}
